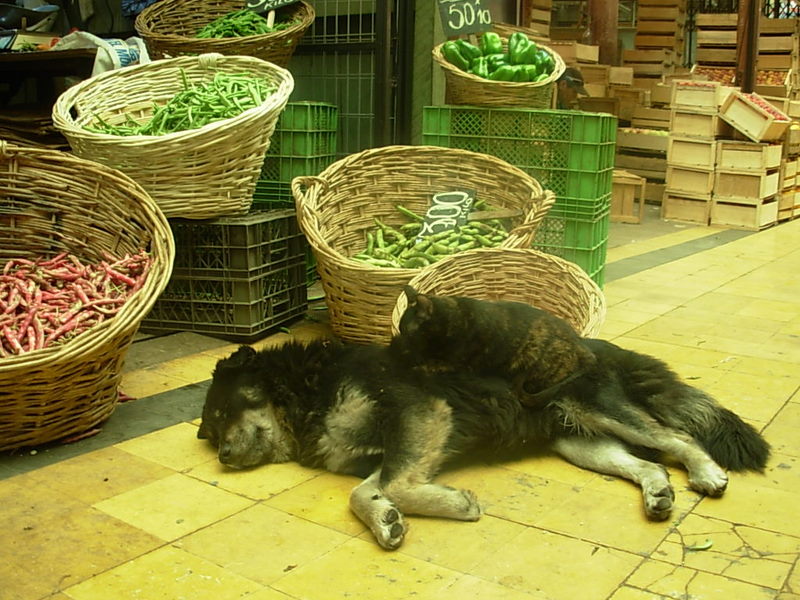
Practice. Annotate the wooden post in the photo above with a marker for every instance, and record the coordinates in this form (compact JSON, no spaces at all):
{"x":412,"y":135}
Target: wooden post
{"x":747,"y":43}
{"x":603,"y":18}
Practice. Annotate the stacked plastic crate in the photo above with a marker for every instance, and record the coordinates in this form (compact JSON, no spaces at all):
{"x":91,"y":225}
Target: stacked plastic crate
{"x":304,"y":143}
{"x":568,"y":152}
{"x":234,"y":277}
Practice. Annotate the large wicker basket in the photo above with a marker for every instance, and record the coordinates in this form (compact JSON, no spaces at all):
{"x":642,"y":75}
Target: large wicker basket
{"x":168,"y":29}
{"x":198,"y":173}
{"x":52,"y":202}
{"x":467,"y":89}
{"x":337,"y":208}
{"x":522,"y":275}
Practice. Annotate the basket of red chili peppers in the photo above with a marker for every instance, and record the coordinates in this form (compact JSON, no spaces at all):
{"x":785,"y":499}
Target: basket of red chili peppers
{"x":84,"y":254}
{"x":499,"y":71}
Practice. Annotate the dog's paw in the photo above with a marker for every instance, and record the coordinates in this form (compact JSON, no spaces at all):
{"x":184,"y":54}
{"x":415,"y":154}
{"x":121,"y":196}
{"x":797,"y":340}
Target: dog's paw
{"x":390,"y":529}
{"x":658,"y":502}
{"x":710,"y":480}
{"x":472,"y":510}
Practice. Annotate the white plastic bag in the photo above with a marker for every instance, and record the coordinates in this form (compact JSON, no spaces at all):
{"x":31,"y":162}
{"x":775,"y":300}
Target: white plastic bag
{"x":111,"y":53}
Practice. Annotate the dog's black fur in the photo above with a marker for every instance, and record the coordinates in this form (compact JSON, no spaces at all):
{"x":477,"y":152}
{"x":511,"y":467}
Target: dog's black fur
{"x":396,"y":416}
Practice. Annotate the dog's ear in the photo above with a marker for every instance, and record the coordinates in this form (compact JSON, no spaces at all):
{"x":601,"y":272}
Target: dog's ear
{"x":424,"y":307}
{"x":243,"y":357}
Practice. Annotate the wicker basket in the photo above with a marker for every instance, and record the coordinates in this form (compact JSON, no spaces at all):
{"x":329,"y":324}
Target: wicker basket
{"x":198,"y":173}
{"x":168,"y":29}
{"x":338,"y":207}
{"x":53,"y":202}
{"x":467,"y":89}
{"x":522,"y":275}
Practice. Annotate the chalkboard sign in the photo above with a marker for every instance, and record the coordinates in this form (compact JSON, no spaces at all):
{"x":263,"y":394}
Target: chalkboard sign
{"x":447,"y":211}
{"x":461,"y":17}
{"x":262,"y":6}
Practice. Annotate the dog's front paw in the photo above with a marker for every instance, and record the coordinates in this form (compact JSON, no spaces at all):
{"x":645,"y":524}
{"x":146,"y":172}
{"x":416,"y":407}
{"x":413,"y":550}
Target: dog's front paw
{"x":710,"y":480}
{"x":658,"y":502}
{"x":472,"y":510}
{"x":390,"y":529}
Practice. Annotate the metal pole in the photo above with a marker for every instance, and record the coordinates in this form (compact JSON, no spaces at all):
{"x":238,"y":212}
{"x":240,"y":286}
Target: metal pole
{"x":382,"y":87}
{"x":747,"y":43}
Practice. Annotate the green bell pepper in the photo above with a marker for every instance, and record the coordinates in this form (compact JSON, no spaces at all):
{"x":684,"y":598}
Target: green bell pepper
{"x":496,"y":61}
{"x":546,"y":62}
{"x":541,"y":77}
{"x":531,"y":72}
{"x":491,"y":43}
{"x":468,"y":51}
{"x":530,"y":56}
{"x":480,"y":67}
{"x":506,"y":73}
{"x":452,"y":54}
{"x":518,"y":43}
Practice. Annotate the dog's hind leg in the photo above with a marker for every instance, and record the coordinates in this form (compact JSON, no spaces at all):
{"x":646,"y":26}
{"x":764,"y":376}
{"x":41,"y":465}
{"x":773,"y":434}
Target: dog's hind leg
{"x":379,"y":513}
{"x":610,"y":456}
{"x":433,"y":500}
{"x":705,"y":475}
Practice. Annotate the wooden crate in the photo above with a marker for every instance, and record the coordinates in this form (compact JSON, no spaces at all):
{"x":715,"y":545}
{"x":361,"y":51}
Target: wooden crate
{"x":751,"y":217}
{"x":689,"y":182}
{"x":663,"y":56}
{"x":652,"y":167}
{"x":648,"y":117}
{"x":574,"y":52}
{"x":692,"y":152}
{"x":676,"y":14}
{"x":651,"y":141}
{"x":646,"y":82}
{"x":748,"y":114}
{"x":676,"y":207}
{"x":644,"y":40}
{"x":660,"y":94}
{"x":595,"y":73}
{"x":629,"y":99}
{"x":658,"y":27}
{"x":694,"y":95}
{"x":716,"y":20}
{"x":745,"y":187}
{"x":620,"y":76}
{"x":716,"y":37}
{"x":716,"y":56}
{"x":698,"y":124}
{"x":748,"y":156}
{"x":627,"y":197}
{"x":654,"y":192}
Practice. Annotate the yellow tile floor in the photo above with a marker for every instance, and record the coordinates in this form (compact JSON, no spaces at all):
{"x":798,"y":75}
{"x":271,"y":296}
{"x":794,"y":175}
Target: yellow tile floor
{"x":156,"y":517}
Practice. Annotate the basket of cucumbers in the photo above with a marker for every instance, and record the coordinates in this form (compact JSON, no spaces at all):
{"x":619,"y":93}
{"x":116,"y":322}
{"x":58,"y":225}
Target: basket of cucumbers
{"x":499,"y":70}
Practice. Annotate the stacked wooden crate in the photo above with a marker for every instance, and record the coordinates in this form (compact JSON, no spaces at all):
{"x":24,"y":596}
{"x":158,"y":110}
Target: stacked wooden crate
{"x":746,"y":184}
{"x":643,"y":152}
{"x":649,"y":64}
{"x":787,"y":185}
{"x":660,"y":27}
{"x":716,"y":40}
{"x":692,"y":151}
{"x":539,"y":17}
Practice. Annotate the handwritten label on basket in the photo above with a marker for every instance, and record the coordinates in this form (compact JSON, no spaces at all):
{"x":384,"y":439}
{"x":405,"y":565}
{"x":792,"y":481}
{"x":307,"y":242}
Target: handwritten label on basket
{"x":447,"y":211}
{"x":460,"y":17}
{"x":262,"y":6}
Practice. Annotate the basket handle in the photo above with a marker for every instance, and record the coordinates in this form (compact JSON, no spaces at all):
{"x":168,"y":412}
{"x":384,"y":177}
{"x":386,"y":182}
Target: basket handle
{"x":302,"y":186}
{"x":208,"y":60}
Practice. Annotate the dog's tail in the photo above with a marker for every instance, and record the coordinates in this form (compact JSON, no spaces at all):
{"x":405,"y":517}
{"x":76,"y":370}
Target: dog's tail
{"x":731,"y":442}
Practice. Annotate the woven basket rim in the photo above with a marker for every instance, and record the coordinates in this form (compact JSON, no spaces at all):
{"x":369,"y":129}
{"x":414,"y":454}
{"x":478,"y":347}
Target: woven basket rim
{"x":132,"y":311}
{"x":579,"y":275}
{"x":63,"y":119}
{"x":558,"y":69}
{"x":341,"y":164}
{"x":146,"y":31}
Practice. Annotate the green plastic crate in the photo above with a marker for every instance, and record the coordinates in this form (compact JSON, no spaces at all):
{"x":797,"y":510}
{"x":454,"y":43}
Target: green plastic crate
{"x":283,"y":169}
{"x":302,"y":143}
{"x":309,"y":116}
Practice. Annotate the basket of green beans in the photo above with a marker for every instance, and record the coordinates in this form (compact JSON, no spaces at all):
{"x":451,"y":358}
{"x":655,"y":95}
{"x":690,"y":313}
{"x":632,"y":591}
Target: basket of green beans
{"x":360,"y":217}
{"x":173,"y":28}
{"x":193,"y":130}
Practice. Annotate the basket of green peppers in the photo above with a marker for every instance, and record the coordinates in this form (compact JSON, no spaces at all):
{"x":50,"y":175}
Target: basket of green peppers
{"x":499,"y":71}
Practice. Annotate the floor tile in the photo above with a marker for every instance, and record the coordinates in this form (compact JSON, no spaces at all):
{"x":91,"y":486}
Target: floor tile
{"x":673,"y":581}
{"x":262,"y":543}
{"x":322,"y":499}
{"x":100,"y":474}
{"x":552,"y":466}
{"x":736,"y":551}
{"x":51,"y":540}
{"x":782,"y":432}
{"x":174,"y":506}
{"x":754,"y":397}
{"x":165,"y":574}
{"x":176,"y":447}
{"x":565,"y":567}
{"x":258,"y":483}
{"x":361,"y":570}
{"x":469,"y":586}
